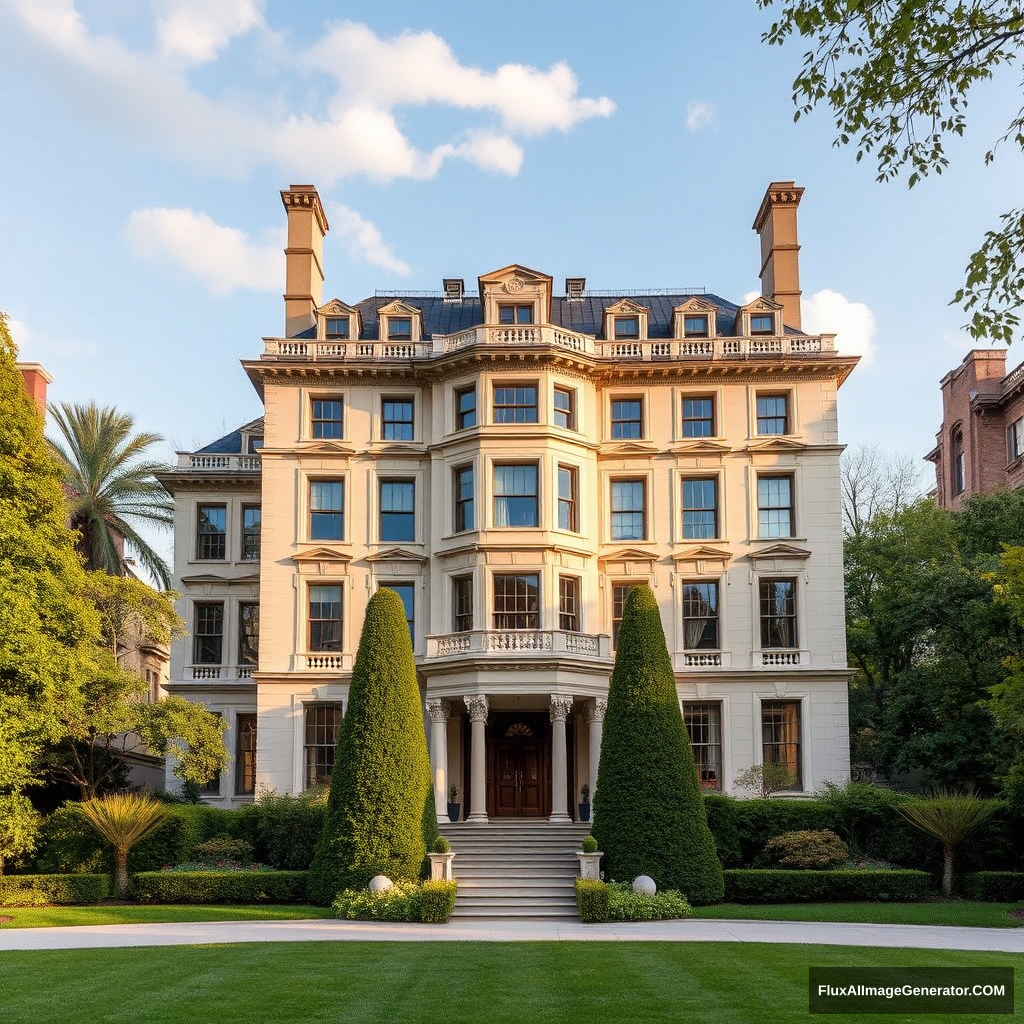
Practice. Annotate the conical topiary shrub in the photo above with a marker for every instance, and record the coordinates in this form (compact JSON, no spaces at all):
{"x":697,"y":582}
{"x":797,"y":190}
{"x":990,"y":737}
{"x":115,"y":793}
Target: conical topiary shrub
{"x":380,"y":817}
{"x":649,"y":816}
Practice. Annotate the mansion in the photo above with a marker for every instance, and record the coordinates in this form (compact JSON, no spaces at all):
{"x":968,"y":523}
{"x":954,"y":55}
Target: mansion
{"x":511,"y":462}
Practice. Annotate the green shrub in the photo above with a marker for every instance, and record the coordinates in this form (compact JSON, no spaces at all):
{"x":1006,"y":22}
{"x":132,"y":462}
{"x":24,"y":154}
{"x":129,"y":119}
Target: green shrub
{"x":441,"y":845}
{"x":380,"y":817}
{"x":41,"y":890}
{"x":589,"y":844}
{"x":759,"y":820}
{"x":418,"y":902}
{"x":591,"y":900}
{"x":284,"y":830}
{"x":867,"y":819}
{"x":649,"y":816}
{"x":721,"y":813}
{"x":67,"y":844}
{"x":994,"y":886}
{"x":807,"y":850}
{"x":626,"y":905}
{"x":223,"y":848}
{"x":777,"y":885}
{"x":220,"y":886}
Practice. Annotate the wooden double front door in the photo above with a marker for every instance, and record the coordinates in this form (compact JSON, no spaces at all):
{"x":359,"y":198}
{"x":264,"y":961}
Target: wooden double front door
{"x":521,"y":782}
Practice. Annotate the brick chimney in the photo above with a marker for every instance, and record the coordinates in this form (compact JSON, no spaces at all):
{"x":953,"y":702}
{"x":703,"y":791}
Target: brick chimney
{"x":775,"y":223}
{"x":304,"y":256}
{"x":36,"y":381}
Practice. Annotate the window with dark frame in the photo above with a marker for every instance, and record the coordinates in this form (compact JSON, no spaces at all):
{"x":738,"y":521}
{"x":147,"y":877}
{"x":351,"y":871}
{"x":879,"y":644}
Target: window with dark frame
{"x":516,"y":601}
{"x":620,"y":591}
{"x":407,"y":592}
{"x":325,"y":617}
{"x":397,"y":510}
{"x":780,"y":737}
{"x":211,"y":534}
{"x":515,"y":495}
{"x":700,"y":508}
{"x":704,"y":727}
{"x":772,"y":414}
{"x":695,"y":326}
{"x":326,"y":418}
{"x":321,"y":738}
{"x":627,"y":418}
{"x":248,"y":633}
{"x":251,"y":532}
{"x":1015,"y":440}
{"x":567,"y":499}
{"x":208,"y":634}
{"x":629,"y":517}
{"x":462,"y":604}
{"x":515,"y":404}
{"x":564,"y":414}
{"x":337,"y":327}
{"x":212,"y":788}
{"x":762,"y":323}
{"x":775,"y":506}
{"x":958,"y":462}
{"x":245,"y":755}
{"x":327,"y":510}
{"x":627,"y":327}
{"x":569,"y":603}
{"x":518,"y":313}
{"x":397,"y":419}
{"x":778,"y":613}
{"x":699,"y":417}
{"x":399,"y":328}
{"x":465,"y":408}
{"x":465,"y":499}
{"x":700,"y":615}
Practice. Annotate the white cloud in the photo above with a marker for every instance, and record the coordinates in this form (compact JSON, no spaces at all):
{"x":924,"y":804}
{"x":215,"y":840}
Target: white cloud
{"x":365,"y":242}
{"x":223,"y":258}
{"x":852,"y":323}
{"x":35,"y":348}
{"x":700,"y":114}
{"x":196,"y":30}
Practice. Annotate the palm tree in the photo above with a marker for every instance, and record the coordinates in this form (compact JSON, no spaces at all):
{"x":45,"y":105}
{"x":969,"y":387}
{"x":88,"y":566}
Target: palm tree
{"x":123,"y":819}
{"x":110,"y":486}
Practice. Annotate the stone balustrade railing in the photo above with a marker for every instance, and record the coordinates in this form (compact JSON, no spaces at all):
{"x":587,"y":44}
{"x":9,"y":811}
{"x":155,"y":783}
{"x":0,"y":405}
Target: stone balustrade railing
{"x":219,"y":463}
{"x":221,"y":672}
{"x":518,"y":641}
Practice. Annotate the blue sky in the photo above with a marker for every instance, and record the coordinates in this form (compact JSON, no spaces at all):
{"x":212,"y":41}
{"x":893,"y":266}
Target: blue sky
{"x":145,"y":144}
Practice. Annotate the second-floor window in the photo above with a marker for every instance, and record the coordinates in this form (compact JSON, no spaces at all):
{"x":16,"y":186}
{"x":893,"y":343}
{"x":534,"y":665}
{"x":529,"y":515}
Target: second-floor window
{"x":515,"y":495}
{"x":700,"y":508}
{"x":569,"y":603}
{"x":327,"y":510}
{"x":1015,"y":440}
{"x":515,"y":404}
{"x":567,"y":513}
{"x":772,"y":414}
{"x":517,"y":601}
{"x":775,"y":506}
{"x":698,"y":417}
{"x":407,"y":592}
{"x":251,"y":526}
{"x":778,"y":613}
{"x":326,"y":418}
{"x":700,"y":616}
{"x":627,"y":418}
{"x":211,"y":539}
{"x":958,"y":462}
{"x":564,"y":413}
{"x":397,"y":510}
{"x":628,"y":510}
{"x":248,"y":633}
{"x":462,"y":604}
{"x":620,"y":591}
{"x":208,"y":634}
{"x":325,"y":618}
{"x":397,"y":419}
{"x":465,"y":408}
{"x":465,"y":503}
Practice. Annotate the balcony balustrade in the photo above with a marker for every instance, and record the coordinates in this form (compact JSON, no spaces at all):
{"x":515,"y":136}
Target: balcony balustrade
{"x":519,"y":641}
{"x":222,"y":672}
{"x":219,"y":463}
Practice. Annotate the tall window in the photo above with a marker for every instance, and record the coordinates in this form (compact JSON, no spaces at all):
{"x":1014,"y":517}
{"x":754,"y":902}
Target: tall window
{"x":695,"y":326}
{"x":778,"y":613}
{"x":465,"y":408}
{"x":515,"y":495}
{"x":516,"y":602}
{"x":515,"y":314}
{"x":407,"y":592}
{"x":322,"y":724}
{"x":772,"y":414}
{"x":567,"y":498}
{"x":627,"y":418}
{"x":1015,"y":440}
{"x":326,"y":419}
{"x":397,"y":419}
{"x":698,"y":417}
{"x":775,"y":506}
{"x":325,"y":618}
{"x":780,"y":736}
{"x":704,"y":726}
{"x":465,"y":508}
{"x":569,"y":603}
{"x":565,"y":408}
{"x":700,"y":616}
{"x":628,"y":512}
{"x":248,"y":633}
{"x":397,"y":510}
{"x":627,"y":327}
{"x":462,"y":604}
{"x":245,"y":755}
{"x":957,"y":465}
{"x":762,"y":323}
{"x":515,"y":404}
{"x":399,"y":328}
{"x":212,"y":788}
{"x":700,"y":508}
{"x":208,"y":634}
{"x":327,"y":510}
{"x":251,"y":525}
{"x":620,"y":591}
{"x":211,"y":541}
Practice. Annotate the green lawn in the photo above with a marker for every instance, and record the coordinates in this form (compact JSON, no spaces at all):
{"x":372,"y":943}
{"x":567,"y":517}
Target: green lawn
{"x":56,"y":917}
{"x":951,"y":912}
{"x":431,"y":982}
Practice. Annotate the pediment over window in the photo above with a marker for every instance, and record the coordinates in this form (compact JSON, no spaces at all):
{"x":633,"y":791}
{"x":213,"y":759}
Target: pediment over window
{"x":398,"y":322}
{"x":610,"y":451}
{"x":516,"y":286}
{"x":760,"y":305}
{"x":206,"y":578}
{"x":337,"y":320}
{"x":700,"y":446}
{"x":396,"y":555}
{"x":695,"y":318}
{"x":702,"y":560}
{"x":762,"y":316}
{"x":322,"y":561}
{"x":626,"y":306}
{"x":775,"y":444}
{"x":780,"y":556}
{"x":327,"y":448}
{"x":642,"y":560}
{"x":398,"y":307}
{"x":625,"y":320}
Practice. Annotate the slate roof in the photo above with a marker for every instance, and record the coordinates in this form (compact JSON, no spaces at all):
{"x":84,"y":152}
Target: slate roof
{"x":230,"y":444}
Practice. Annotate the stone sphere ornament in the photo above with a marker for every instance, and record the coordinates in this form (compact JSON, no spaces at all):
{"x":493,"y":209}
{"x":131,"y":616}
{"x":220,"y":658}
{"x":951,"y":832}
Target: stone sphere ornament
{"x":381,"y":883}
{"x":644,"y":884}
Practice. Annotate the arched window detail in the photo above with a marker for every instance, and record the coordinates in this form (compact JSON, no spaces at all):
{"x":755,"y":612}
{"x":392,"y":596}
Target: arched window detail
{"x":958,"y":477}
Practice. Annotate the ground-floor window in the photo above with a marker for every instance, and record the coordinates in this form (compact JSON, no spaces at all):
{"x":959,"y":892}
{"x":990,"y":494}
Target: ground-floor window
{"x":780,"y":737}
{"x":321,"y":736}
{"x":245,"y":755}
{"x":704,"y":725}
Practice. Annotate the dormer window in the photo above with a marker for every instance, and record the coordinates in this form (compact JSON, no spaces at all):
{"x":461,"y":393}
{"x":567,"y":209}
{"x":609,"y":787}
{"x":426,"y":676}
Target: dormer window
{"x":625,"y":320}
{"x":399,"y":328}
{"x":336,"y":321}
{"x":627,"y":327}
{"x":515,"y":314}
{"x":762,"y":323}
{"x":399,"y":322}
{"x":695,"y":326}
{"x":337,"y":327}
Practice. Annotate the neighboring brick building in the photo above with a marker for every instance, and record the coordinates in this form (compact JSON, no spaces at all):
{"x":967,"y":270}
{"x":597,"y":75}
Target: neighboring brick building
{"x":980,"y":446}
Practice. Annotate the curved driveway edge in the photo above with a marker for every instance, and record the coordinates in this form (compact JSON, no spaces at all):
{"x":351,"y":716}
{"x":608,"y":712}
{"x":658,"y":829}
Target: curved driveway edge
{"x":1005,"y":940}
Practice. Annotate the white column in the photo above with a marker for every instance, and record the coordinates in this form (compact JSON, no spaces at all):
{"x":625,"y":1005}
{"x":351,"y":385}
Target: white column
{"x":595,"y":718}
{"x":477,"y":708}
{"x":439,"y":711}
{"x":561,"y":704}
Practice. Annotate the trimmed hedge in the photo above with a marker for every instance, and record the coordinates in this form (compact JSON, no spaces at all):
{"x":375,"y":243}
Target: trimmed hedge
{"x":224,"y":848}
{"x":597,"y":902}
{"x":220,"y":886}
{"x":804,"y":851}
{"x":994,"y":886}
{"x":418,"y":902}
{"x":769,"y":885}
{"x":41,"y":890}
{"x":591,"y":900}
{"x":283,"y":829}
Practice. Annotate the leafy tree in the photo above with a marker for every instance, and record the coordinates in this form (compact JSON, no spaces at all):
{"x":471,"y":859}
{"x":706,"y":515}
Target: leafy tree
{"x":19,"y":823}
{"x":111,"y":487}
{"x":649,"y":817}
{"x":896,"y":76}
{"x":124,"y":819}
{"x":380,"y":813}
{"x":873,"y":482}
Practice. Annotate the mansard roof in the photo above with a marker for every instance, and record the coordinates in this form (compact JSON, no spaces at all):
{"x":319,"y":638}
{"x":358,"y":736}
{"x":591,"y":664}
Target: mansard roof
{"x":231,"y":444}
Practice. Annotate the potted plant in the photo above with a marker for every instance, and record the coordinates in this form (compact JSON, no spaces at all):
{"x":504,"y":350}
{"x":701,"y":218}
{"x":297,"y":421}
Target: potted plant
{"x":590,"y":859}
{"x":441,"y":861}
{"x":454,"y":807}
{"x":585,"y":802}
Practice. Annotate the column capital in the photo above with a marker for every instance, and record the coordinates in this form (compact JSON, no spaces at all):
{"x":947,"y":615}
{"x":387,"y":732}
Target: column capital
{"x":477,"y":707}
{"x":439,"y":711}
{"x":561,"y":705}
{"x":595,"y":711}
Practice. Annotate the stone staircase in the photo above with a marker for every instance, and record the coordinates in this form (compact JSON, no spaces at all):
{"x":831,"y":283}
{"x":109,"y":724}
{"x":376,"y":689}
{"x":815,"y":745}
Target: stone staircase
{"x":519,"y":868}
